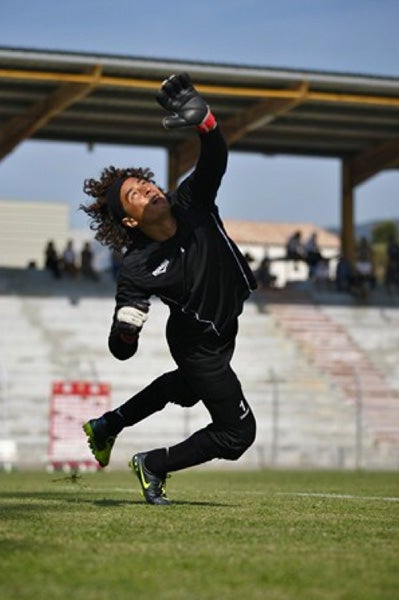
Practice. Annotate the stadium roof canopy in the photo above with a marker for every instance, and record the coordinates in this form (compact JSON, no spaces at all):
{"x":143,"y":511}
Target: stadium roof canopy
{"x":94,"y":99}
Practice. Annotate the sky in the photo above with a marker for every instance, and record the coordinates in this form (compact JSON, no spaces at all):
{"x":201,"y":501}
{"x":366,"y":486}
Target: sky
{"x":345,"y":36}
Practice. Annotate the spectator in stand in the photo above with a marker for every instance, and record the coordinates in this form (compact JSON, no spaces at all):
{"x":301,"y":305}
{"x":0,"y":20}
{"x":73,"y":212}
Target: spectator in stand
{"x":263,"y":276}
{"x":364,"y":250}
{"x":321,"y":274}
{"x":364,"y":267}
{"x":392,"y":270}
{"x":51,"y":260}
{"x":294,"y":247}
{"x":86,"y":263}
{"x":69,"y":260}
{"x":344,"y":275}
{"x":312,"y":254}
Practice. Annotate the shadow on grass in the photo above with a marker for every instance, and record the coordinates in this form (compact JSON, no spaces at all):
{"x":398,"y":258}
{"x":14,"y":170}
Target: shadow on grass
{"x":199,"y":503}
{"x":110,"y":502}
{"x":38,"y":501}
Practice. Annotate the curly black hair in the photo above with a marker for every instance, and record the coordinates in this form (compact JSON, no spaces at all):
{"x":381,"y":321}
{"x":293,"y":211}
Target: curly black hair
{"x":110,"y":232}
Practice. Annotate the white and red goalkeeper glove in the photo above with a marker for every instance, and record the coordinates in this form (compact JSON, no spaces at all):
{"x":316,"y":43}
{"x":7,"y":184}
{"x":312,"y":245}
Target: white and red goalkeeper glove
{"x":130,"y":320}
{"x":178,"y":96}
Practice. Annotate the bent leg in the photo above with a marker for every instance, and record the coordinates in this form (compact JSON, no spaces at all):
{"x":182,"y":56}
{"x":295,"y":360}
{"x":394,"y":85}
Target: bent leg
{"x":169,"y":387}
{"x":204,"y":362}
{"x":230,"y":434}
{"x":233,"y":427}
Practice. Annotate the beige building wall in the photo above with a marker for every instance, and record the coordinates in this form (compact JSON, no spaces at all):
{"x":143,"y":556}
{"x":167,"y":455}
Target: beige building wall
{"x":25,"y":229}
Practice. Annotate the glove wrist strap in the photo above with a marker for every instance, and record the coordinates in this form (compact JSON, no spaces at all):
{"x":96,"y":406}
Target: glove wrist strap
{"x":208,"y":124}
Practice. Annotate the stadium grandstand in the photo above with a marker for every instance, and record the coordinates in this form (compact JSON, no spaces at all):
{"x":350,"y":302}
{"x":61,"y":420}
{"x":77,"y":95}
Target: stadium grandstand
{"x":325,"y":382}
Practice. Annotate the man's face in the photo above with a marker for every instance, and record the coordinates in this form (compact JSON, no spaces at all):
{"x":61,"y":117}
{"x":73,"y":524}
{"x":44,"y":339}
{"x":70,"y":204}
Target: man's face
{"x":143,"y":202}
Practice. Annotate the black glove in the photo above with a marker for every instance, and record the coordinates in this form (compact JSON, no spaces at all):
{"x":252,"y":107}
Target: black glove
{"x":178,"y":96}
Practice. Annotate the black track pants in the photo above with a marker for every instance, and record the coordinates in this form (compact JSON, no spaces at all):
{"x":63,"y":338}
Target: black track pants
{"x":203,"y":373}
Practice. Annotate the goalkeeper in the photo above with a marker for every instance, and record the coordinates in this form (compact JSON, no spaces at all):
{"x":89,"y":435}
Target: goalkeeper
{"x":176,"y":248}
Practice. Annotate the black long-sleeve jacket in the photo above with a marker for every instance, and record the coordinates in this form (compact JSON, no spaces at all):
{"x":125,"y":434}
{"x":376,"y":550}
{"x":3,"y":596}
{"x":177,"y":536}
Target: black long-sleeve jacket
{"x":200,"y":270}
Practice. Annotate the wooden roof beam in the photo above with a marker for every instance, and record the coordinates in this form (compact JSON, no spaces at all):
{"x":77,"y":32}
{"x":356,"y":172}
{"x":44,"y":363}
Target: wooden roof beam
{"x":260,"y":114}
{"x":373,"y":160}
{"x":239,"y":125}
{"x":22,"y":127}
{"x":220,"y":90}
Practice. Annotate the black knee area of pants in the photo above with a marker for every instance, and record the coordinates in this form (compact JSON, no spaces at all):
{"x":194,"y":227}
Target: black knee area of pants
{"x":234,"y":441}
{"x":183,"y":394}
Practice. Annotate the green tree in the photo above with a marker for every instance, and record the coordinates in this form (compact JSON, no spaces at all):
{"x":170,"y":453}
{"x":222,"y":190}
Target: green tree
{"x":382,"y":232}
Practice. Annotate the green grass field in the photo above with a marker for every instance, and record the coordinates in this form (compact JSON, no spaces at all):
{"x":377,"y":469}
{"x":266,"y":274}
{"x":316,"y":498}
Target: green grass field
{"x":229,"y":535}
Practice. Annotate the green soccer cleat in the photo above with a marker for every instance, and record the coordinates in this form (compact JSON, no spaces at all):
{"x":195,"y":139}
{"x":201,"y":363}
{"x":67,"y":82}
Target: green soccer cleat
{"x":99,"y":440}
{"x":153,"y":487}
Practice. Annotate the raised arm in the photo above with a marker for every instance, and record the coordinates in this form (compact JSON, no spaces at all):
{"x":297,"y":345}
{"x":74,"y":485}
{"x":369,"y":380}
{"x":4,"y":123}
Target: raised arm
{"x":187,"y":107}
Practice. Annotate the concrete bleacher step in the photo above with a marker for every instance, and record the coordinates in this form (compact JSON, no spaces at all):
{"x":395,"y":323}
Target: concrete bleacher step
{"x":333,"y":350}
{"x":63,"y":336}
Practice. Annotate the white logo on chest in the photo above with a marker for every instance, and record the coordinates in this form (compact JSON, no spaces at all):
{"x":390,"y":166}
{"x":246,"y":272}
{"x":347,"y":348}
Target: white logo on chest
{"x":161,"y":268}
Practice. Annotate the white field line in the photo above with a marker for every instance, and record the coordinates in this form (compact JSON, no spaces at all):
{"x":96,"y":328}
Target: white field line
{"x":339,"y":496}
{"x":129,"y":490}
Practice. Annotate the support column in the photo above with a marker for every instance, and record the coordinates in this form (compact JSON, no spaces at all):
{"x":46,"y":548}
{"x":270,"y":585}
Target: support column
{"x":347,"y":213}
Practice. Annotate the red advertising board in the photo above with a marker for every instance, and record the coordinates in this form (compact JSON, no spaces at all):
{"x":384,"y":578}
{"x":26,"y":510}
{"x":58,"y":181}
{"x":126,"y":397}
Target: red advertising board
{"x":73,"y":403}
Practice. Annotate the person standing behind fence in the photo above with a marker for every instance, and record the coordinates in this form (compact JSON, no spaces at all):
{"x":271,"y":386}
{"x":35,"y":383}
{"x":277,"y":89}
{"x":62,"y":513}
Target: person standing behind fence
{"x":312,"y":254}
{"x":392,"y":270}
{"x":69,"y":260}
{"x":86,"y":263}
{"x":294,"y":246}
{"x":263,"y":275}
{"x":364,"y":266}
{"x":51,"y":260}
{"x":344,"y":276}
